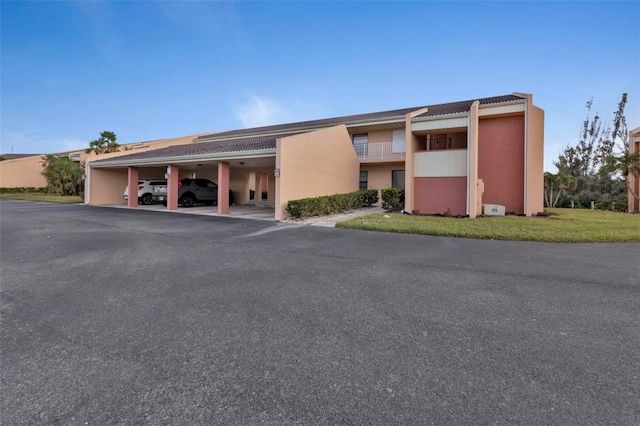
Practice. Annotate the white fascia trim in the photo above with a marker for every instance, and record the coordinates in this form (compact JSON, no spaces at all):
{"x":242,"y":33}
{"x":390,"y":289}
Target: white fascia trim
{"x":440,"y":117}
{"x":466,"y":113}
{"x":187,"y":158}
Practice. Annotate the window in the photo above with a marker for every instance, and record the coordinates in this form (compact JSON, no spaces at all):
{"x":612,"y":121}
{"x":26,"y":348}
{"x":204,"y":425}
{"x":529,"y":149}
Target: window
{"x":397,"y":179}
{"x":398,"y":141}
{"x":361,"y":143}
{"x":364,"y":179}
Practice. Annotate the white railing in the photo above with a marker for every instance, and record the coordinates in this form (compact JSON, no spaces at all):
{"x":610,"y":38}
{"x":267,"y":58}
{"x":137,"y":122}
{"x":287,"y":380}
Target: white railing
{"x":380,"y":151}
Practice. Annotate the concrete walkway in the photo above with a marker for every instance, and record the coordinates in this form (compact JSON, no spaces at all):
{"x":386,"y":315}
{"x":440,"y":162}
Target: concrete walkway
{"x":260,"y":213}
{"x":331,"y":220}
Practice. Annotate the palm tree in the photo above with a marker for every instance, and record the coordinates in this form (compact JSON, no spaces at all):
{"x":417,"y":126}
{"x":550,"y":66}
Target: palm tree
{"x":63,"y":176}
{"x":105,"y":143}
{"x":559,"y":181}
{"x":549,"y":184}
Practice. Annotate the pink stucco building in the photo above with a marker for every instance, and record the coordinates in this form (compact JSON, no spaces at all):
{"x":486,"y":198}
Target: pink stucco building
{"x":454,"y":156}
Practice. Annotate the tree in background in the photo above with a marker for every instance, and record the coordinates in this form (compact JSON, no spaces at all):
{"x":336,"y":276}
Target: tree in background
{"x":591,"y":162}
{"x":105,"y":143}
{"x":63,"y":176}
{"x":558,"y":184}
{"x":624,"y":164}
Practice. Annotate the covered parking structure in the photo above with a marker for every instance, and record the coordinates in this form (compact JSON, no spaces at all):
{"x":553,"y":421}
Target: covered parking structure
{"x":264,"y":170}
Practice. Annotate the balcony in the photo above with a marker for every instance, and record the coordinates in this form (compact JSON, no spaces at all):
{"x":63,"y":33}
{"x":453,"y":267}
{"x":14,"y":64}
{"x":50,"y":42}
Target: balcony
{"x":380,"y":151}
{"x":441,"y":163}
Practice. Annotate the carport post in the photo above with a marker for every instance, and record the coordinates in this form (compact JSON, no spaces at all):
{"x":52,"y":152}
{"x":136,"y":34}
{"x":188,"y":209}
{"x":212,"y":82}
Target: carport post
{"x":172,"y":187}
{"x":132,"y":181}
{"x":223,"y":187}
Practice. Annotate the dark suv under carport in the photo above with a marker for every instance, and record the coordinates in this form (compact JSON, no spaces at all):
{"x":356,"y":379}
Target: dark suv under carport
{"x":192,"y":191}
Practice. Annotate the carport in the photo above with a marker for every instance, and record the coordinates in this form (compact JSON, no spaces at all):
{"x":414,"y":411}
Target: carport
{"x":262,"y":170}
{"x":244,"y":171}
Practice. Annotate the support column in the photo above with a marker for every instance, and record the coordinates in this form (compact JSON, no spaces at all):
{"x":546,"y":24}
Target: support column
{"x":172,"y":187}
{"x":410,"y":148}
{"x":132,"y":182}
{"x":258,"y":196}
{"x":223,"y":187}
{"x":472,"y":179}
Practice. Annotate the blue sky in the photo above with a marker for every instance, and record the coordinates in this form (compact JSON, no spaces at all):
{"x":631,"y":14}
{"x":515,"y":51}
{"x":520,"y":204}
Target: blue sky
{"x":149,"y":70}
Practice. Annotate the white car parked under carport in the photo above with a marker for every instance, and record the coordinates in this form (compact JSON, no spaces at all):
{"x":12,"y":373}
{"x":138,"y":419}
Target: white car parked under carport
{"x":145,"y":190}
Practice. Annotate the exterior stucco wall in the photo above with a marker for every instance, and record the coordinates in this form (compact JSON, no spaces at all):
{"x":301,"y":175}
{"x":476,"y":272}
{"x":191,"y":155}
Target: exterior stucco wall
{"x":501,"y":161}
{"x":22,"y":172}
{"x":151,"y":172}
{"x":379,"y":175}
{"x":437,"y":194}
{"x":535,"y":161}
{"x":107,"y":186}
{"x":314,"y":164}
{"x":381,"y":136}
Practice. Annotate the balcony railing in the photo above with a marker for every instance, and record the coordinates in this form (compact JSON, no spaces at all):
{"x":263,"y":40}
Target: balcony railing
{"x":380,"y":151}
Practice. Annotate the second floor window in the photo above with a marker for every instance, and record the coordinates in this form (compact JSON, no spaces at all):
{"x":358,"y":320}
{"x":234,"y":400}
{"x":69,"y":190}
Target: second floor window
{"x":360,"y":143}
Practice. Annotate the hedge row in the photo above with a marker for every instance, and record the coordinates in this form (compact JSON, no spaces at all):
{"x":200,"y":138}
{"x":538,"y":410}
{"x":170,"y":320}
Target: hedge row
{"x":393,"y":199}
{"x":329,"y":204}
{"x":21,"y":190}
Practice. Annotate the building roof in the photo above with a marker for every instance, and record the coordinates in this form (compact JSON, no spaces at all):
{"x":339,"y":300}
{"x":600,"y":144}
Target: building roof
{"x":256,"y":143}
{"x":464,"y":106}
{"x":14,"y":156}
{"x":264,"y":138}
{"x":314,"y":124}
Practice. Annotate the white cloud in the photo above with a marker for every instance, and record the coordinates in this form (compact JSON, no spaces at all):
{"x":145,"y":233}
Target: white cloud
{"x":259,"y":111}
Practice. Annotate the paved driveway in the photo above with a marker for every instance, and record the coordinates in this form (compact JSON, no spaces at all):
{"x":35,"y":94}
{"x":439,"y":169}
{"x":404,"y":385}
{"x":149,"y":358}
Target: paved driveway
{"x":114,"y":316}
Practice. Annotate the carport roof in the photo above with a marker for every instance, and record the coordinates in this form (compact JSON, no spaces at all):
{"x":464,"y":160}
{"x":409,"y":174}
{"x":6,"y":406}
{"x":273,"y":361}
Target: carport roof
{"x":196,"y":151}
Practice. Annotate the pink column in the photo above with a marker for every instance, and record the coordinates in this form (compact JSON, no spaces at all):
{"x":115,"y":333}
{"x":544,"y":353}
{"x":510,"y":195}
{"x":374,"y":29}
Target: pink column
{"x":172,"y":187}
{"x":132,"y":181}
{"x":223,"y":187}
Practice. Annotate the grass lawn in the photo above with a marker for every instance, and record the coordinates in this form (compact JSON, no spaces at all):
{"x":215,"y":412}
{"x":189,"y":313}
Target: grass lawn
{"x":563,"y":226}
{"x":49,"y":198}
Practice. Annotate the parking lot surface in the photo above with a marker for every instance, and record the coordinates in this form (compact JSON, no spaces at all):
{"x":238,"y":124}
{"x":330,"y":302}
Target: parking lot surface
{"x":118,"y":316}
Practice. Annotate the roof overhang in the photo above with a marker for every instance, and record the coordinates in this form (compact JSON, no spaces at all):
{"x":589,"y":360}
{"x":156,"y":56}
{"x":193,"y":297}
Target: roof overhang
{"x":163,"y":161}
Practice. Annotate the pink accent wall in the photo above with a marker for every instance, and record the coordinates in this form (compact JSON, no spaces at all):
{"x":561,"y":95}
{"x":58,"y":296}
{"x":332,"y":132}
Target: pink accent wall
{"x":436,"y":194}
{"x":501,"y":161}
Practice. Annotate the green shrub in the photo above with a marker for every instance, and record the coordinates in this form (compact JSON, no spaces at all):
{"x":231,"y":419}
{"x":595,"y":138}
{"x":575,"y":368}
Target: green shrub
{"x":393,"y":199}
{"x":618,"y":203}
{"x":21,"y":190}
{"x":328,"y":204}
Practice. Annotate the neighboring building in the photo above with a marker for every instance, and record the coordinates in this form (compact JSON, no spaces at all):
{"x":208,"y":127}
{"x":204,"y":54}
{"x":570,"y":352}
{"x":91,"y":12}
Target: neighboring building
{"x":634,"y":180}
{"x":454,"y":156}
{"x":22,"y":171}
{"x":25,"y":170}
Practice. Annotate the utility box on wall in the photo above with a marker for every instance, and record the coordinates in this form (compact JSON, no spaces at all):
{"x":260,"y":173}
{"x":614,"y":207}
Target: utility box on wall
{"x":492,"y":210}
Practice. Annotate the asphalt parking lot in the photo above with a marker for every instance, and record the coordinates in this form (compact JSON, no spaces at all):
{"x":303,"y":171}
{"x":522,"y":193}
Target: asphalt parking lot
{"x":116,"y":316}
